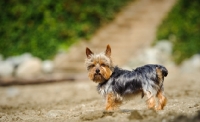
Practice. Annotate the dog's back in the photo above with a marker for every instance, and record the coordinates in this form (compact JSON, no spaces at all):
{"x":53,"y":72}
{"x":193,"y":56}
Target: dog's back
{"x":152,"y":76}
{"x":150,"y":68}
{"x":146,"y":78}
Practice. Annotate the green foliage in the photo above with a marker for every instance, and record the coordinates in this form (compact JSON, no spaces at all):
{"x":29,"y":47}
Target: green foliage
{"x":41,"y":27}
{"x":183,"y":22}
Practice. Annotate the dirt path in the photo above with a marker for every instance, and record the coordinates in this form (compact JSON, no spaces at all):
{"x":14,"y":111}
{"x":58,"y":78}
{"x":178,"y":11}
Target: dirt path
{"x":133,"y":29}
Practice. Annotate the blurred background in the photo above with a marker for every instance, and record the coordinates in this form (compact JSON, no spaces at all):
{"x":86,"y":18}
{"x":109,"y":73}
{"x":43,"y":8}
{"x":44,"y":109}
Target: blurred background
{"x":44,"y":42}
{"x":41,"y":30}
{"x":45,"y":31}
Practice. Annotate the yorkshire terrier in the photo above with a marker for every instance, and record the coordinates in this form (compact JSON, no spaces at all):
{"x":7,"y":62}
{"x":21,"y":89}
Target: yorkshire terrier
{"x":115,"y":83}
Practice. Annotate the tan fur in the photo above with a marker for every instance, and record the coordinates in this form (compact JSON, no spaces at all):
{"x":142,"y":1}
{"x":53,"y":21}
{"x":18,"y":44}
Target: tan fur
{"x":108,"y":51}
{"x":88,"y":52}
{"x":159,"y":74}
{"x":151,"y":102}
{"x":162,"y":101}
{"x":106,"y":72}
{"x":100,"y":62}
{"x":112,"y":103}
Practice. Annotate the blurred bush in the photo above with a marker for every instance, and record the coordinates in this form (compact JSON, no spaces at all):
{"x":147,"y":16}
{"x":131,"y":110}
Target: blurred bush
{"x":183,"y":22}
{"x":42,"y":27}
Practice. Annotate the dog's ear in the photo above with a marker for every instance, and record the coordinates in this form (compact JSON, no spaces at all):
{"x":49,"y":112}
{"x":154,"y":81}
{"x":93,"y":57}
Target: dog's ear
{"x":108,"y":51}
{"x":88,"y":52}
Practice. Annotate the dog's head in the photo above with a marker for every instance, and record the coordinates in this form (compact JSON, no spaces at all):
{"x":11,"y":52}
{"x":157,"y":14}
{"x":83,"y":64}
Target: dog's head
{"x":99,"y":66}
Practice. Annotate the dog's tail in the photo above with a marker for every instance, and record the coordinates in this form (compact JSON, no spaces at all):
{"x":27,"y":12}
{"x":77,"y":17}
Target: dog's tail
{"x":163,"y":70}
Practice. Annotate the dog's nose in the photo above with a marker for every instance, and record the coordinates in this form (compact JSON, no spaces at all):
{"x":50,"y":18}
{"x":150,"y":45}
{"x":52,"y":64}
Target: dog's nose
{"x":97,"y":70}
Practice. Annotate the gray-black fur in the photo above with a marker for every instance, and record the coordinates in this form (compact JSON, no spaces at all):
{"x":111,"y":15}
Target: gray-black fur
{"x":142,"y":79}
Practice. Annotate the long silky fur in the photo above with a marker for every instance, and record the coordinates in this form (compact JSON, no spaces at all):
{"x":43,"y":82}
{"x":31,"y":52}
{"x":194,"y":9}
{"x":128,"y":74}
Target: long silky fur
{"x":142,"y":79}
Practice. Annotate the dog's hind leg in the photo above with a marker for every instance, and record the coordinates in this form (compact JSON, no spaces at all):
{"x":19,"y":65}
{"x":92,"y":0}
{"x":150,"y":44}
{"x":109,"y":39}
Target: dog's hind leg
{"x":151,"y":100}
{"x":162,"y":100}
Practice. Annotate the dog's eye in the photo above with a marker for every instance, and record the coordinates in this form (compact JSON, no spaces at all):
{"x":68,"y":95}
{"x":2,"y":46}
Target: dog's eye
{"x":103,"y":65}
{"x":91,"y":65}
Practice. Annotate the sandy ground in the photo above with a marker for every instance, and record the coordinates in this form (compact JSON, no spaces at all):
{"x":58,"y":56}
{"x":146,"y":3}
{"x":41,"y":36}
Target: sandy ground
{"x":79,"y":101}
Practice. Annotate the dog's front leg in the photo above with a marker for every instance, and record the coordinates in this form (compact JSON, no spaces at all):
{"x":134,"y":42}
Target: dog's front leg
{"x":112,"y":103}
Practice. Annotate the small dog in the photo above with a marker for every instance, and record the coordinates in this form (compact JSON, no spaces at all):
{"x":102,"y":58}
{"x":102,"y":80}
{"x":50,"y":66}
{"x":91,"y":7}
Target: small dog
{"x":115,"y":83}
